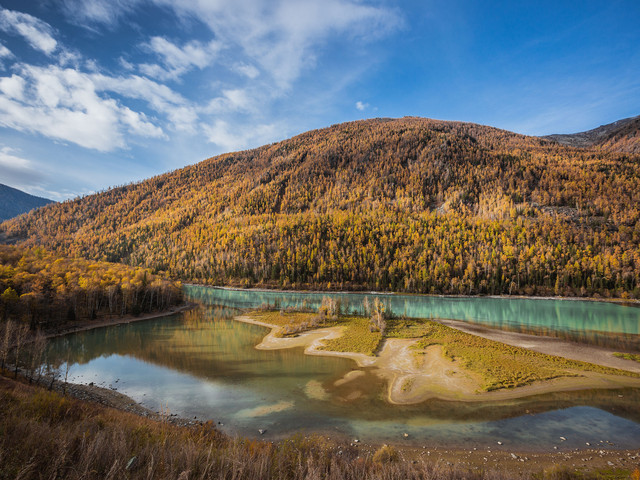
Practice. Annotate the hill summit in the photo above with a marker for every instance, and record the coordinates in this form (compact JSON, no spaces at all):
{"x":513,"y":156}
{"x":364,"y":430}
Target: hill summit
{"x":621,"y":136}
{"x":410,"y":204}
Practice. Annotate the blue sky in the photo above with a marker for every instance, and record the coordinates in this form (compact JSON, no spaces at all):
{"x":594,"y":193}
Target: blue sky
{"x":98,"y":93}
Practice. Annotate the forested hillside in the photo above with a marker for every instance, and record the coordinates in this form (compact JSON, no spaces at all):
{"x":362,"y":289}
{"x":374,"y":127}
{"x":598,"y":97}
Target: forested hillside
{"x":412,"y":205}
{"x":47,"y":290}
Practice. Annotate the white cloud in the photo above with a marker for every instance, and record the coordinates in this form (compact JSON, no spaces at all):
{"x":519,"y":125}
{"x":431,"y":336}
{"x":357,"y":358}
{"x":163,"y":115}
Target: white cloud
{"x":37,"y":33}
{"x":17,"y":171}
{"x":64,"y":104}
{"x":175,"y":60}
{"x":180,"y":113}
{"x":236,"y":137}
{"x":12,"y":87}
{"x":232,"y":100}
{"x":247,"y":70}
{"x":362,"y":106}
{"x":282,"y":36}
{"x":107,"y":12}
{"x":5,"y":52}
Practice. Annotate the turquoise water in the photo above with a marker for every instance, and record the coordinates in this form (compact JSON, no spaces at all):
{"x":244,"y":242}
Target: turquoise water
{"x":201,"y":363}
{"x":521,"y":313}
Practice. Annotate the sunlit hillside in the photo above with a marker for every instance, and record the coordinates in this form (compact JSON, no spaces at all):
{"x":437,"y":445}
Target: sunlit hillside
{"x":412,"y":205}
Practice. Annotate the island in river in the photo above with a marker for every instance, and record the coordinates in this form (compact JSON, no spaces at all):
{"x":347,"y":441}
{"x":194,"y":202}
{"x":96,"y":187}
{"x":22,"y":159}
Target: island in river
{"x":425,"y":359}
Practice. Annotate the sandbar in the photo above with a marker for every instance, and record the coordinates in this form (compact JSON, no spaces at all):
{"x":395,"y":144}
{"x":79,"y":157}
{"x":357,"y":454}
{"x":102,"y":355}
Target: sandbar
{"x":416,"y":378}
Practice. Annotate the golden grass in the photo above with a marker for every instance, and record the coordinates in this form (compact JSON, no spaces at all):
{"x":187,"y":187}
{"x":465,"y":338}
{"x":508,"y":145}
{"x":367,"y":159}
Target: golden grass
{"x":628,"y":356}
{"x":499,"y":365}
{"x":356,"y":337}
{"x":46,"y":435}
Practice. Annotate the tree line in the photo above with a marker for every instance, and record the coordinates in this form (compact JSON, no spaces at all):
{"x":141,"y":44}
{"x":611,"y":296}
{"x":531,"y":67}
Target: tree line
{"x":46,"y":290}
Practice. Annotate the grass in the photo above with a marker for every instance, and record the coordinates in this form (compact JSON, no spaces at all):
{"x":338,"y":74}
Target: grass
{"x":46,"y":435}
{"x":356,"y":337}
{"x":628,"y":356}
{"x":282,"y":318}
{"x":499,"y":365}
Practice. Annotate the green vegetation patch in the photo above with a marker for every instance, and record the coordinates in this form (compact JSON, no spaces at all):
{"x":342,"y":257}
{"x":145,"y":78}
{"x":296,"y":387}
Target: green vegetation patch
{"x":628,"y":356}
{"x":357,"y":337}
{"x":499,"y":365}
{"x":292,"y":323}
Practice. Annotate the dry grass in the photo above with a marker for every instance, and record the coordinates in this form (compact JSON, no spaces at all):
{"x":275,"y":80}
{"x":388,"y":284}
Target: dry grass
{"x":499,"y":365}
{"x":356,"y":337}
{"x":46,"y":435}
{"x":628,"y":356}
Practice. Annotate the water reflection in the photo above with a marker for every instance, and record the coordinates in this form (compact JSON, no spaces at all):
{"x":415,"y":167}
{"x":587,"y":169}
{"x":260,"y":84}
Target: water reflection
{"x":200,"y":363}
{"x":600,"y":323}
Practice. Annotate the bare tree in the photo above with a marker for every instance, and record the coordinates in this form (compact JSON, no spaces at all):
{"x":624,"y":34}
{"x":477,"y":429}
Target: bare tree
{"x":21,"y":333}
{"x":5,"y":342}
{"x":378,"y":322}
{"x":35,"y":350}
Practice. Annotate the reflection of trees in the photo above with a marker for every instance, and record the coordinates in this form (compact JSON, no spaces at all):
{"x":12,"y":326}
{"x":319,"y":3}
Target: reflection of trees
{"x":195,"y":342}
{"x":598,"y":323}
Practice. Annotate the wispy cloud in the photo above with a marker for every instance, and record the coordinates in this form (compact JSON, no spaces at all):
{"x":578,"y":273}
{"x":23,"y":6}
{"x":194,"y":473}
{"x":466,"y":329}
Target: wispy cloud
{"x":361,"y":106}
{"x":37,"y":33}
{"x":5,"y":52}
{"x":236,"y":137}
{"x":283,"y":36}
{"x":16,"y":170}
{"x":176,"y":60}
{"x":105,"y":12}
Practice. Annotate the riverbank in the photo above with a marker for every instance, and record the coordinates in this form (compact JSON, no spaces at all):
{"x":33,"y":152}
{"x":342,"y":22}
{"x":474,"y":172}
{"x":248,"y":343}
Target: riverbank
{"x":92,"y":324}
{"x":128,"y":444}
{"x":416,"y":378}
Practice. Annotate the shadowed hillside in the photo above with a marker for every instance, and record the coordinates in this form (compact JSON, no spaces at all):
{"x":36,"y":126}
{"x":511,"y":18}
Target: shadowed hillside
{"x":622,"y":136}
{"x":410,"y":204}
{"x":14,"y":202}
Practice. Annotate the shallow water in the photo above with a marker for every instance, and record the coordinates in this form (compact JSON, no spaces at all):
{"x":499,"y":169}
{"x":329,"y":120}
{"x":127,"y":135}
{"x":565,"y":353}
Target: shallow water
{"x":200,"y":363}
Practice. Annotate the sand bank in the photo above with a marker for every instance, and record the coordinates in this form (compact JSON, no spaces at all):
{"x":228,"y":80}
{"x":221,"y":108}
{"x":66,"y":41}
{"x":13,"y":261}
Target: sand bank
{"x":415,"y":378}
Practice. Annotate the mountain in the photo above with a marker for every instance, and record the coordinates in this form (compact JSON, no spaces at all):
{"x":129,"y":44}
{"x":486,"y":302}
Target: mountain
{"x":14,"y":202}
{"x":621,"y":136}
{"x":410,"y":204}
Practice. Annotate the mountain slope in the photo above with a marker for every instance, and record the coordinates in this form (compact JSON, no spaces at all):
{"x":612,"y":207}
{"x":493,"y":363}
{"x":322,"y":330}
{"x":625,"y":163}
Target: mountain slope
{"x":14,"y":202}
{"x":621,"y":136}
{"x":409,"y":204}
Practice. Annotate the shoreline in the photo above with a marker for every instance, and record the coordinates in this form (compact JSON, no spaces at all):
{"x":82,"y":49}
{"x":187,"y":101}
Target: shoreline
{"x":438,"y":377}
{"x":126,"y":319}
{"x":485,"y":456}
{"x":618,"y":301}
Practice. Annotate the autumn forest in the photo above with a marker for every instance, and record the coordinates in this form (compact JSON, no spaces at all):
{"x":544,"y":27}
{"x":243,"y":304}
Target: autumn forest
{"x":407,"y":205}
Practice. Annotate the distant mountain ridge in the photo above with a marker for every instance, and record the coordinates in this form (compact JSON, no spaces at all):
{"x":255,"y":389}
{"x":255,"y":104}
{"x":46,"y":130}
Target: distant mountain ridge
{"x":14,"y":202}
{"x":620,"y":136}
{"x":408,"y":204}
